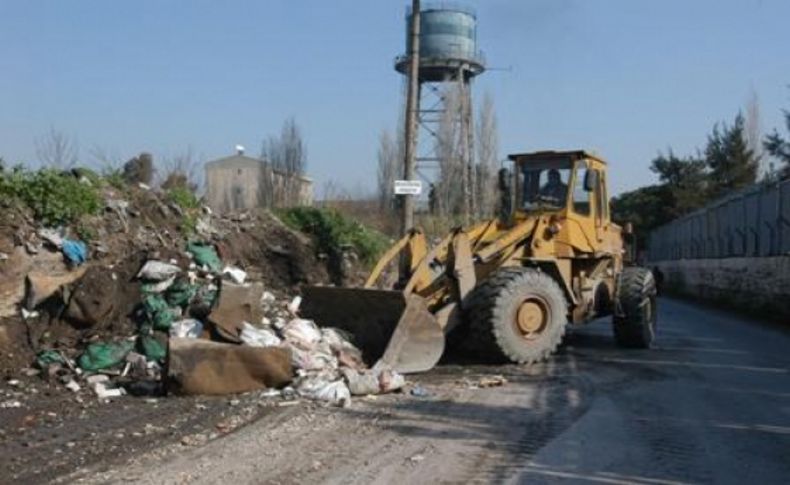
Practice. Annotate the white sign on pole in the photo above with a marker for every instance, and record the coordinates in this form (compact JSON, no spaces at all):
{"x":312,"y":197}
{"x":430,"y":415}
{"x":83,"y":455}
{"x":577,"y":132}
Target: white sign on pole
{"x":408,"y":187}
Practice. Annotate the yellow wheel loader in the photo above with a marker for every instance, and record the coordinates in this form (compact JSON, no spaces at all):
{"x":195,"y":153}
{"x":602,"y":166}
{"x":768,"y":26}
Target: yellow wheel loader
{"x":509,"y":286}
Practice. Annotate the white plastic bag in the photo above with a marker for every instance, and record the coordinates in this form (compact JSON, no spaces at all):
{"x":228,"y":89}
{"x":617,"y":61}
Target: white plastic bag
{"x":314,"y":360}
{"x":319,"y":389}
{"x":361,"y":383}
{"x":258,"y":337}
{"x":187,"y":328}
{"x":157,"y":271}
{"x":237,"y":275}
{"x":302,"y":333}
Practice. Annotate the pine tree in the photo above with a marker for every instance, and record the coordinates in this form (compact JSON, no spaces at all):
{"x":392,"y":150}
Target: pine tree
{"x":685,"y":180}
{"x":779,"y":148}
{"x":733,"y":165}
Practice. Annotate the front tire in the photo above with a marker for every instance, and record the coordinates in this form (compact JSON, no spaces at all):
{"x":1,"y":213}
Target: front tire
{"x":635,"y":317}
{"x":519,"y":314}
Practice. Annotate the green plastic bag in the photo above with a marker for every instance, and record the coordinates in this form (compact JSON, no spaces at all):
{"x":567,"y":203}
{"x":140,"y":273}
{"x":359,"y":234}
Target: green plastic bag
{"x":46,"y":358}
{"x":158,"y":312}
{"x":180,"y":293}
{"x":205,"y":255}
{"x":103,"y":355}
{"x":151,"y":348}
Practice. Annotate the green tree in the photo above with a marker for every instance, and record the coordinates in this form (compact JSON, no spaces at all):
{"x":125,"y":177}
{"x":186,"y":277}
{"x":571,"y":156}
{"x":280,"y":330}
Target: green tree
{"x":733,"y":165}
{"x":646,"y":208}
{"x":685,"y":180}
{"x":779,"y":148}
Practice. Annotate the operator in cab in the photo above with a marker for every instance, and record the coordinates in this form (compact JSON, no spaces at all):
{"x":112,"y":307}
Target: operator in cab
{"x":554,"y":188}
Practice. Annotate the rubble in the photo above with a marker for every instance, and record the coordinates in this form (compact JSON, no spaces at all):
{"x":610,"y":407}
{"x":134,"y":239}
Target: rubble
{"x":139,"y":309}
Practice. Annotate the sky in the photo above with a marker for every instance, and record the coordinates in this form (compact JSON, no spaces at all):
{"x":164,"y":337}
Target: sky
{"x":624,"y":78}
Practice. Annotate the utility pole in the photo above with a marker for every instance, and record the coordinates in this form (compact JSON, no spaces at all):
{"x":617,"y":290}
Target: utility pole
{"x":412,"y":104}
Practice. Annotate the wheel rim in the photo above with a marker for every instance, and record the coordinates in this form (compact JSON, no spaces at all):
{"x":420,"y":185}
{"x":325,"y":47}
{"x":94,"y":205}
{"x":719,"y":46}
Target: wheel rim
{"x":532,"y":318}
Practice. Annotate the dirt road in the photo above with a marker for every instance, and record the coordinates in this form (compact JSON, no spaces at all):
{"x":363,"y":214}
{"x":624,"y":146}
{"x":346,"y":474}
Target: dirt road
{"x":710,"y":404}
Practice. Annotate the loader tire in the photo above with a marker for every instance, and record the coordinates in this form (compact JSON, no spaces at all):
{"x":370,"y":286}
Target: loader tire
{"x":517,"y":315}
{"x":635,"y":316}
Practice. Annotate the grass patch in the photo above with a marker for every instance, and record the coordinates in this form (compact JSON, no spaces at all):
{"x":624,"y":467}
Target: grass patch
{"x":333,"y":231}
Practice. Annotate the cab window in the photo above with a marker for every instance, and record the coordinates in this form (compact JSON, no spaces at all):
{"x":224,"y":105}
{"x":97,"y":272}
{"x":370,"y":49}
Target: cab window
{"x":544,"y":185}
{"x":581,"y":197}
{"x":603,"y":199}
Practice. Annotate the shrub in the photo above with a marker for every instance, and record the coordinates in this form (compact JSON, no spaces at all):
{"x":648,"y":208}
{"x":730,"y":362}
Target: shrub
{"x":55,"y":197}
{"x":333,"y":231}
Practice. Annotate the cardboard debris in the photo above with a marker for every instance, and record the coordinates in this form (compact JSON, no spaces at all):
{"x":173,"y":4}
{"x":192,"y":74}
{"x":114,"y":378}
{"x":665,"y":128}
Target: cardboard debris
{"x":237,"y":304}
{"x":202,"y":367}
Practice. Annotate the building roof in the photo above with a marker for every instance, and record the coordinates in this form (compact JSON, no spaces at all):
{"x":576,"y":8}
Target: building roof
{"x":234,"y":161}
{"x":239,"y":160}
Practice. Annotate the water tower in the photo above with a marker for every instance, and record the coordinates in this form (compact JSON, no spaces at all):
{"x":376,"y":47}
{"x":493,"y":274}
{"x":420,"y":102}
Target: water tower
{"x":449,"y":60}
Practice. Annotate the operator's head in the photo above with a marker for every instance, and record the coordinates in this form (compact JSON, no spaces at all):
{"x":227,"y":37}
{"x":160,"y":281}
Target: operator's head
{"x":554,"y":176}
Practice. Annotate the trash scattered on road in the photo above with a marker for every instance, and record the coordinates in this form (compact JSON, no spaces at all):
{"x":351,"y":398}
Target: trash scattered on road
{"x":416,"y":458}
{"x":336,"y":392}
{"x":72,"y":385}
{"x":492,"y":381}
{"x":419,"y":391}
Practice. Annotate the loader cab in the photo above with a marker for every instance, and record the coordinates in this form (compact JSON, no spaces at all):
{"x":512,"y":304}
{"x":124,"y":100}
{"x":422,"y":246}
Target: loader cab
{"x":569,"y":185}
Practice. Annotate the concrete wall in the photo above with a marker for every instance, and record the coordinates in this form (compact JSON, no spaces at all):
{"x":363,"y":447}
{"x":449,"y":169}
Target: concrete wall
{"x":757,"y":285}
{"x":753,"y":222}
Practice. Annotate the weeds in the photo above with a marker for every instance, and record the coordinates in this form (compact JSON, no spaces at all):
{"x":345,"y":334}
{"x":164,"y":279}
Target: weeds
{"x":183,"y":197}
{"x":333,"y":232}
{"x":55,"y":197}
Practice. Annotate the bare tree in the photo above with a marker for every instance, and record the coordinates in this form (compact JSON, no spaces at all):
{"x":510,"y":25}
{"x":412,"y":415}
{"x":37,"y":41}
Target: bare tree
{"x":388,"y":158}
{"x":286,"y":156}
{"x":57,"y":150}
{"x":106,"y":161}
{"x":450,"y":188}
{"x":181,"y":170}
{"x":487,"y":157}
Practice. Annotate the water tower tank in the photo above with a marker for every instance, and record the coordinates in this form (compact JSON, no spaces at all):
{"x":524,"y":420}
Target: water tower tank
{"x":448,"y":42}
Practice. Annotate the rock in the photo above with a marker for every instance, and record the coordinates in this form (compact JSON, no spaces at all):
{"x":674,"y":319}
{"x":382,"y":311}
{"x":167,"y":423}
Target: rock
{"x":96,"y":298}
{"x":15,"y":270}
{"x":41,"y":286}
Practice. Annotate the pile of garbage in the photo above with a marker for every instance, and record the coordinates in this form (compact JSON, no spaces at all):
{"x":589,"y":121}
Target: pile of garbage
{"x":202,"y":328}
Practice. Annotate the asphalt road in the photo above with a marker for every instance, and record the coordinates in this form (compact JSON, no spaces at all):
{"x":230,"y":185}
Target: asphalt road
{"x":710,"y":404}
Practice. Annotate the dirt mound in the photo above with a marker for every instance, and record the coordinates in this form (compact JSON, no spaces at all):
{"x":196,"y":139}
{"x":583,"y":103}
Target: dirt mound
{"x":136,"y":224}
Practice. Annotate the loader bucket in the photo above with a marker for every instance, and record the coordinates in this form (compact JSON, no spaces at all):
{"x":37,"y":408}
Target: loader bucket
{"x":386,"y":325}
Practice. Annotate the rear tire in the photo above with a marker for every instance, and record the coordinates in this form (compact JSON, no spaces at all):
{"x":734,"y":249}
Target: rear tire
{"x":519,"y":314}
{"x":635,"y":319}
